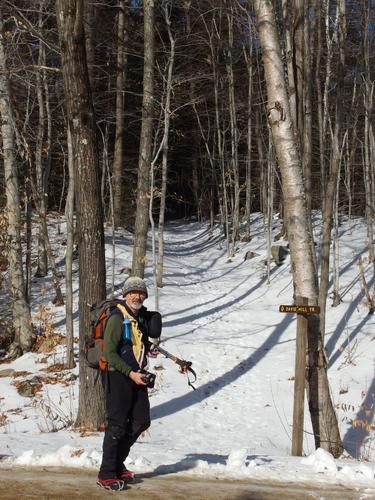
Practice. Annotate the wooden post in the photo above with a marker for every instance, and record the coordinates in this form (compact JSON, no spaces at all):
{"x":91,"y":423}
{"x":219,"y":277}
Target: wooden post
{"x":299,"y":380}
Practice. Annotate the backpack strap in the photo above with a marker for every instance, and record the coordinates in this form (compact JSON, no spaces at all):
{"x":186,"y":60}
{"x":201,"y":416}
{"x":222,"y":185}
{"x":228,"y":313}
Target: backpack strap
{"x":138,"y":345}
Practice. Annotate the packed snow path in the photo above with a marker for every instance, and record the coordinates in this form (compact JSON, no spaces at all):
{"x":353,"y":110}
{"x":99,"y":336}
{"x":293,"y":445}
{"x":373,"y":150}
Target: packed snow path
{"x":61,"y":484}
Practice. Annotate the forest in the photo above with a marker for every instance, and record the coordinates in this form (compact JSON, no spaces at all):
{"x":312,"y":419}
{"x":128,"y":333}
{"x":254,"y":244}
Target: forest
{"x":130,"y":113}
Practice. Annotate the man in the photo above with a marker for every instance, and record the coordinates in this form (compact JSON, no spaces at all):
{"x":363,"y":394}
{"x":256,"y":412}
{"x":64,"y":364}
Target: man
{"x":128,"y":407}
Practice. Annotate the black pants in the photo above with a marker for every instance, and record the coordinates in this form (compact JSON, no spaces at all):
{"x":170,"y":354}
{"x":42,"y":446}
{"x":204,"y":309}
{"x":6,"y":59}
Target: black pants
{"x":128,"y":411}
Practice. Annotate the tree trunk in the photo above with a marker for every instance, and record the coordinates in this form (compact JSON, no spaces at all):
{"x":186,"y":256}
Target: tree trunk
{"x":319,"y":94}
{"x":90,"y":233}
{"x":28,"y":263}
{"x":43,"y":228}
{"x":42,"y":268}
{"x":298,"y":49}
{"x":335,"y":248}
{"x":368,"y":92}
{"x":167,"y":117}
{"x":323,"y":417}
{"x":89,"y":27}
{"x":269,"y":218}
{"x":262,"y":164}
{"x":24,"y":337}
{"x":234,"y":138}
{"x":118,"y":161}
{"x":306,"y":107}
{"x":249,"y":67}
{"x":292,"y":90}
{"x":328,"y":207}
{"x":145,"y":147}
{"x":69,"y":213}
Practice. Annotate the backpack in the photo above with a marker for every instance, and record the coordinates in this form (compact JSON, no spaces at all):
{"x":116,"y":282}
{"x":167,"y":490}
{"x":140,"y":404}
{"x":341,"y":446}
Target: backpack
{"x":95,"y":343}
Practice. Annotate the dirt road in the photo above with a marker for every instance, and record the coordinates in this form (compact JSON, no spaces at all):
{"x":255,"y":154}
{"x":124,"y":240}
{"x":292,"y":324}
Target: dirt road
{"x":52,"y":483}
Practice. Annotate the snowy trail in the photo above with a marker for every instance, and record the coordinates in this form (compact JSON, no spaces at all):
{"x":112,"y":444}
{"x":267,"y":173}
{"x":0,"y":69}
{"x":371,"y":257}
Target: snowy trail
{"x":221,"y":314}
{"x":214,"y":326}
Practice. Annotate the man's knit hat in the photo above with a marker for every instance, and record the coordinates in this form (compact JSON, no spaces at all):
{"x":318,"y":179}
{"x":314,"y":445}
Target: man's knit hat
{"x":134,"y":284}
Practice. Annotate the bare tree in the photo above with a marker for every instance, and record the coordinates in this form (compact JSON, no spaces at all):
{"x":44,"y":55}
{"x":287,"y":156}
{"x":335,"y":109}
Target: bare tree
{"x":118,"y":160}
{"x":368,"y":146}
{"x":58,"y":300}
{"x":233,"y":134}
{"x":24,"y":337}
{"x":89,"y":26}
{"x":90,"y":231}
{"x":323,"y":416}
{"x":40,"y":192}
{"x":69,"y":214}
{"x":249,"y":66}
{"x":331,"y":188}
{"x":167,"y":117}
{"x":145,"y":147}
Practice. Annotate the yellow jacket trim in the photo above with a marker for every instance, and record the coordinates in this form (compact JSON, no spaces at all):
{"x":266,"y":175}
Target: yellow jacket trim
{"x":138,"y":346}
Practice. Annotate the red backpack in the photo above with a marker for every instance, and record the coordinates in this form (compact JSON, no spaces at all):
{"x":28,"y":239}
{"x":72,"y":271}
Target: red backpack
{"x":95,"y":344}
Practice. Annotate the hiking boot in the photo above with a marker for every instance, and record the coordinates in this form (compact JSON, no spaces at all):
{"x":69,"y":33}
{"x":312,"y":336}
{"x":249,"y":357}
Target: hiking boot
{"x":111,"y":484}
{"x":126,"y":475}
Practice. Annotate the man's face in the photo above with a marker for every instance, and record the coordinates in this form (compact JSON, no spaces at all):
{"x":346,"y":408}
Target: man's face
{"x":135,"y":300}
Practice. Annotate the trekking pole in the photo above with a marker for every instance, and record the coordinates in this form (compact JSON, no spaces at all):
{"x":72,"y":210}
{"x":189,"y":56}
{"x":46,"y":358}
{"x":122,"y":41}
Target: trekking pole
{"x":185,"y":366}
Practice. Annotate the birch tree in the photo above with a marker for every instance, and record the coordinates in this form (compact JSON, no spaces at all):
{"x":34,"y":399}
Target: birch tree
{"x":322,"y":413}
{"x":24,"y":337}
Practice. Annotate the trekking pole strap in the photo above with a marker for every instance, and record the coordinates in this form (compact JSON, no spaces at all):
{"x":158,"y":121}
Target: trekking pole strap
{"x":185,"y":366}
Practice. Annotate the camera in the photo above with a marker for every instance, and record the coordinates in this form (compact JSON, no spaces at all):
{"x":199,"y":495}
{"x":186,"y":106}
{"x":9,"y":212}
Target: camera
{"x":149,"y":379}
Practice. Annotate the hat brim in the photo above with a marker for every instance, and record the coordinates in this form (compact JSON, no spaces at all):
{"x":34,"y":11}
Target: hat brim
{"x":135,"y":290}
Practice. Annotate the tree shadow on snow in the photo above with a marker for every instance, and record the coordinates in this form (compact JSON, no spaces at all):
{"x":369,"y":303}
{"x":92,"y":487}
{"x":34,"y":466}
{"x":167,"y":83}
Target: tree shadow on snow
{"x":356,"y":434}
{"x":214,"y":310}
{"x":189,"y":308}
{"x":206,"y":390}
{"x":341,"y":326}
{"x":198,"y":271}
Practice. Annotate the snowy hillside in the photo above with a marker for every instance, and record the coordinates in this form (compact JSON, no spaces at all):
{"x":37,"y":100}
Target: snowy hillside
{"x":224,"y":317}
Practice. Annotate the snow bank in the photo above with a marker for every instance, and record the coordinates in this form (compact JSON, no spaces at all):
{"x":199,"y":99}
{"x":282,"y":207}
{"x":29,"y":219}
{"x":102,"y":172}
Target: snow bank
{"x":319,"y":467}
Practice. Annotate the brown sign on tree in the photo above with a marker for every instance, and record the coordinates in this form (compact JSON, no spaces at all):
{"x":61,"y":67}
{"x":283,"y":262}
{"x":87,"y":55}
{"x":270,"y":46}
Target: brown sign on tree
{"x":300,"y":309}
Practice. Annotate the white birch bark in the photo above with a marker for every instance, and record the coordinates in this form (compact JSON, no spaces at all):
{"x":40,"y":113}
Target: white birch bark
{"x":24,"y":337}
{"x":322,"y":413}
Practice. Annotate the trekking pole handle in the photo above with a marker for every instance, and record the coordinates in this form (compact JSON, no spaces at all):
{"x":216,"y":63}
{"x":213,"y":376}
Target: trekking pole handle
{"x":185,"y":366}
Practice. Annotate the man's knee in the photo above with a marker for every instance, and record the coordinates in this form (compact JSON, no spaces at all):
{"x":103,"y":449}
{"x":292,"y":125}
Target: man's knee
{"x":116,"y":431}
{"x":140,"y":426}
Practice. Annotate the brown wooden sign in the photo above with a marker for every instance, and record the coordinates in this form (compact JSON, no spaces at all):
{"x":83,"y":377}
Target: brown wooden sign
{"x":300,"y":309}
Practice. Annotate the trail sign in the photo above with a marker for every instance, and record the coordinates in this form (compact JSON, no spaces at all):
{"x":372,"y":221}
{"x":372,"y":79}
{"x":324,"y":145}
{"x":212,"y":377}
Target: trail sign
{"x":302,"y":309}
{"x":299,"y":309}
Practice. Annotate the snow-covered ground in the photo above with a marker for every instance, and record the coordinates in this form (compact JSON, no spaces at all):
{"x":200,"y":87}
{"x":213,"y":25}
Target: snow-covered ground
{"x":223,"y":315}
